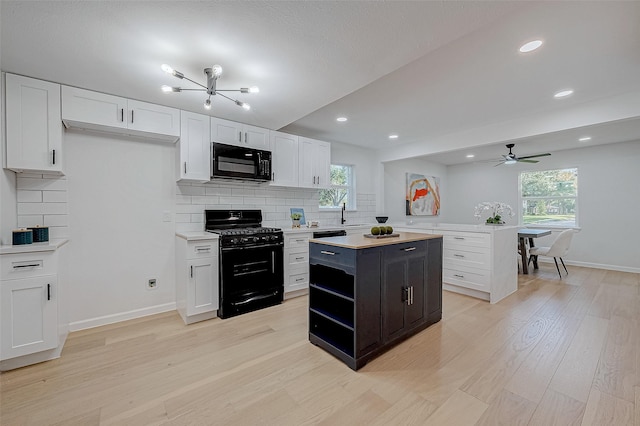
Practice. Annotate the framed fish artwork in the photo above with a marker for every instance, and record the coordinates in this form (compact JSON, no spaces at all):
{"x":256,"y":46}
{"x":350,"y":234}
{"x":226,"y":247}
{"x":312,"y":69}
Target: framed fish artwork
{"x":423,"y":195}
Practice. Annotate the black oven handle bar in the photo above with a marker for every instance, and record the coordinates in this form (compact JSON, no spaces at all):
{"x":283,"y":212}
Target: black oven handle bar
{"x":257,"y":246}
{"x":253,"y":299}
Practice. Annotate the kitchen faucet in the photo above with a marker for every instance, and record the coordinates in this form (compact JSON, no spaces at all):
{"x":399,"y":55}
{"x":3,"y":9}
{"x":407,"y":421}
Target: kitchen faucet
{"x":342,"y":219}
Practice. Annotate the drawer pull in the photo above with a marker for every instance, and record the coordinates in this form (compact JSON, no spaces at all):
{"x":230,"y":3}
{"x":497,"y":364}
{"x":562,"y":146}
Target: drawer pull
{"x":409,"y":249}
{"x":458,"y":276}
{"x":330,"y":253}
{"x":299,"y":279}
{"x":199,"y":249}
{"x":300,"y":241}
{"x":299,"y":258}
{"x":31,"y":265}
{"x":458,"y":255}
{"x":458,"y":238}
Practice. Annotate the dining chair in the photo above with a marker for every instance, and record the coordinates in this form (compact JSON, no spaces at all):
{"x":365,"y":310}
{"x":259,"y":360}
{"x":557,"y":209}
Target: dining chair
{"x":557,"y":249}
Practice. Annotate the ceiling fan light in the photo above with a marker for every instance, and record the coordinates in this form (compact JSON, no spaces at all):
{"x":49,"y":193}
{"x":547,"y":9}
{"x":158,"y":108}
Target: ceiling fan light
{"x":254,"y":89}
{"x":167,"y":89}
{"x":510,"y":161}
{"x":166,"y":68}
{"x":243,"y":105}
{"x":207,"y":104}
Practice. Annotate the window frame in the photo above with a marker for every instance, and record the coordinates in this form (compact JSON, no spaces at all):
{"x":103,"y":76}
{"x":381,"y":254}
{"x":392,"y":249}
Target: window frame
{"x":522,"y":199}
{"x":350,"y":187}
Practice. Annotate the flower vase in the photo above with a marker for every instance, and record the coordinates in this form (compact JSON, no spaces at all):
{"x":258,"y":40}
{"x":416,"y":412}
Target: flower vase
{"x":295,"y":223}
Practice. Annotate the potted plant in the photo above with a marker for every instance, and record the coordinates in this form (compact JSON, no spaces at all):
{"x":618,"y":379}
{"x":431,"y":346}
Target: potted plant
{"x":295,"y":217}
{"x":496,"y":210}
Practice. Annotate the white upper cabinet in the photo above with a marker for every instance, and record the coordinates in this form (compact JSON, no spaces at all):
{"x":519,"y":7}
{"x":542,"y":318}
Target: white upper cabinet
{"x":194,"y":160}
{"x":238,"y":134}
{"x":33,"y":127}
{"x":284,"y":160}
{"x":98,"y":111}
{"x":314,"y":163}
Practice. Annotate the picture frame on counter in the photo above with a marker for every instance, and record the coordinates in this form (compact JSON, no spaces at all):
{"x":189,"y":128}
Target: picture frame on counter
{"x":301,"y":212}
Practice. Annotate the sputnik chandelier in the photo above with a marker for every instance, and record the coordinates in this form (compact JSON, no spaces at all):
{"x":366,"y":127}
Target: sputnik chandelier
{"x":213,"y":74}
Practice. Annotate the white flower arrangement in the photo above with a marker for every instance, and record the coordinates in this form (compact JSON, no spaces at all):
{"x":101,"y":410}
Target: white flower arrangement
{"x":497,"y":211}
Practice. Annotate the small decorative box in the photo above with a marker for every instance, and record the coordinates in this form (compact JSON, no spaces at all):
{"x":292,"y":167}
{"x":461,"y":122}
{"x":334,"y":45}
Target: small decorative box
{"x":22,"y":236}
{"x":40,"y":234}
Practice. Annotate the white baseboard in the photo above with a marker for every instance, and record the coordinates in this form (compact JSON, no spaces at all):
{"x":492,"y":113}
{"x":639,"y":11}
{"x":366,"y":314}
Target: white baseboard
{"x":592,"y":265}
{"x":122,"y":316}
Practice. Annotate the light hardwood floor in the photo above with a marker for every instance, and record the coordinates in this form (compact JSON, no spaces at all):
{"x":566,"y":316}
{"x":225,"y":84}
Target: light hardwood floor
{"x":554,"y":353}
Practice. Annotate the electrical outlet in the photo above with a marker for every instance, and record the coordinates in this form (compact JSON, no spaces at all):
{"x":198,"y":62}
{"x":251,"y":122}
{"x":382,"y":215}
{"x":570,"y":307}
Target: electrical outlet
{"x":152,"y":284}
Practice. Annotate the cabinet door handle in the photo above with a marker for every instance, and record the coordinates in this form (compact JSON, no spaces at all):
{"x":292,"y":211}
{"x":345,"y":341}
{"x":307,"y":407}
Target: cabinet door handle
{"x":458,"y":255}
{"x":48,"y":291}
{"x":131,"y":116}
{"x":330,"y":253}
{"x":239,"y":136}
{"x":32,"y":265}
{"x":409,"y":249}
{"x":318,"y":180}
{"x":185,"y":167}
{"x":122,"y":114}
{"x":458,"y":238}
{"x":54,"y":156}
{"x":458,"y":276}
{"x":191,"y":273}
{"x":245,"y":137}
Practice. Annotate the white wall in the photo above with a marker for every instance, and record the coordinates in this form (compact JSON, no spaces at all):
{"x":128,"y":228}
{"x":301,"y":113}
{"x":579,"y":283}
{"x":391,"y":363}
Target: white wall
{"x":608,"y":202}
{"x":118,"y":192}
{"x":395,"y":189}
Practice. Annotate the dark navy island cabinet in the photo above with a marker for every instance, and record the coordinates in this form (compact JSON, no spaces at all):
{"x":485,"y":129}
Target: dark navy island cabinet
{"x":364,"y":300}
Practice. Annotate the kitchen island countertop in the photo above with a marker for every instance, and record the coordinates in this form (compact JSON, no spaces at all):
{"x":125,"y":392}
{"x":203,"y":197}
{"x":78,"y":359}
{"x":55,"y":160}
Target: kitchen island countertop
{"x":359,"y":241}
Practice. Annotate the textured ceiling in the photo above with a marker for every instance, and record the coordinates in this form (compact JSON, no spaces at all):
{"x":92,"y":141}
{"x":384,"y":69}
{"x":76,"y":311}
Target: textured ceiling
{"x":424,"y":70}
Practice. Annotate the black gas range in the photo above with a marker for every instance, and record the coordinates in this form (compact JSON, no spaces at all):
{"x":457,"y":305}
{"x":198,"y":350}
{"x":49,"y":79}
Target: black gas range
{"x":251,"y":261}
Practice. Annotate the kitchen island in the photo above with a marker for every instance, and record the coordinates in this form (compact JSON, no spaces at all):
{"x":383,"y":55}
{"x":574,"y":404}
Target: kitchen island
{"x":367,"y":294}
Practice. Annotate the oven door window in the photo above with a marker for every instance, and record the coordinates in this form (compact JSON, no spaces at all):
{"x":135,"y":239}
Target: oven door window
{"x":249,"y":270}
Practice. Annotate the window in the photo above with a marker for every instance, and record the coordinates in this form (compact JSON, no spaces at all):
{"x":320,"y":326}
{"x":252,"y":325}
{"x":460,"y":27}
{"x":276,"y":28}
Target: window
{"x":549,"y":197}
{"x":343,"y":188}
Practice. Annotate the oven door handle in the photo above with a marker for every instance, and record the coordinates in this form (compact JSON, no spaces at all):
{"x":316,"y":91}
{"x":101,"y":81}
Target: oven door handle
{"x":253,"y":299}
{"x":261,"y":246}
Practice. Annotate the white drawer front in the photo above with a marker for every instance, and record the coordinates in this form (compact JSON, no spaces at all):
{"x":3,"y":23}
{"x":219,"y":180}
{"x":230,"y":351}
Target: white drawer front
{"x":470,"y":258}
{"x":25,"y":265}
{"x":476,"y":279}
{"x":301,"y":258}
{"x":297,"y":242}
{"x":198,"y":249}
{"x":466,"y":239}
{"x":298,"y":281}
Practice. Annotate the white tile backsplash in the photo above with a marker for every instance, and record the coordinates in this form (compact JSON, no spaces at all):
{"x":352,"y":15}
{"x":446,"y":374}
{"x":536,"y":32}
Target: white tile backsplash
{"x":193,"y":198}
{"x":42,"y":200}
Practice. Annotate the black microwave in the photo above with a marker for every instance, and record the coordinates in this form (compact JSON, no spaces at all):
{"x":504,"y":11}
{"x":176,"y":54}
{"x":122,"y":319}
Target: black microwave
{"x":238,"y":162}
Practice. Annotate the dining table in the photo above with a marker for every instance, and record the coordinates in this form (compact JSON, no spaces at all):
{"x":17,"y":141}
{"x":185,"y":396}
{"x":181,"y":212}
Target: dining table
{"x":531,"y":234}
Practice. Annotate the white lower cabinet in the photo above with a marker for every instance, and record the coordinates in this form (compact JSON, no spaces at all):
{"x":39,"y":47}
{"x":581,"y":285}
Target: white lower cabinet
{"x":197,"y":289}
{"x":296,"y":264}
{"x":32,"y":329}
{"x":29,"y":316}
{"x":479,"y":263}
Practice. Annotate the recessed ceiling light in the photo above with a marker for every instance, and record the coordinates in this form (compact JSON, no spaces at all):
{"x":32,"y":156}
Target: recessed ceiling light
{"x":530,"y":46}
{"x":563,"y":93}
{"x":470,"y":155}
{"x":585,"y":138}
{"x":341,"y":119}
{"x":393,"y":136}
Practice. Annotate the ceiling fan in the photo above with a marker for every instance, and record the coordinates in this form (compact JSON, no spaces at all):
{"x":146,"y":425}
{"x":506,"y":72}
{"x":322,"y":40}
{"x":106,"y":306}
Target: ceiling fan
{"x":511,"y":158}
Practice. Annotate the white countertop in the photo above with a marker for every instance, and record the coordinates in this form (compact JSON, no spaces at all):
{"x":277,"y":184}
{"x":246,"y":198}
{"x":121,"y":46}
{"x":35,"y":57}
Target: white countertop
{"x":481,"y":227}
{"x":327,"y":228}
{"x":35,"y":247}
{"x":197,"y":235}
